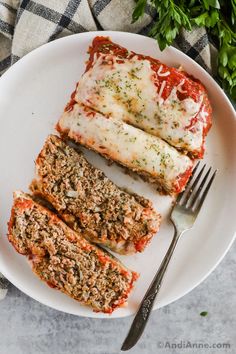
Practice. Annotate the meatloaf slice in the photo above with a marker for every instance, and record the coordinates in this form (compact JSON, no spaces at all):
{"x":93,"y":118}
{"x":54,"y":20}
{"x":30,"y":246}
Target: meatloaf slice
{"x":65,"y":260}
{"x":90,"y":203}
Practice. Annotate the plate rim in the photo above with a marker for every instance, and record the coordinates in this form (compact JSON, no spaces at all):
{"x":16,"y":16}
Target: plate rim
{"x":208,"y":77}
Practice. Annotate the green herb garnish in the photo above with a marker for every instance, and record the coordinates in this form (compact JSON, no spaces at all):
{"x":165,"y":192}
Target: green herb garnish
{"x":218,"y":16}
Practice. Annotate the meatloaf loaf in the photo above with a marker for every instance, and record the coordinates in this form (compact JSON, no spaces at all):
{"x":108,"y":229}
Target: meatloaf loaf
{"x":90,"y":203}
{"x":142,"y":91}
{"x":144,"y":153}
{"x":65,"y":260}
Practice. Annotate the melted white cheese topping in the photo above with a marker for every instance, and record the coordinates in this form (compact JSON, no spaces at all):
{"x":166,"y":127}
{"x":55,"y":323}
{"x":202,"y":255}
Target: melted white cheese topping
{"x":127,"y":91}
{"x":126,"y":144}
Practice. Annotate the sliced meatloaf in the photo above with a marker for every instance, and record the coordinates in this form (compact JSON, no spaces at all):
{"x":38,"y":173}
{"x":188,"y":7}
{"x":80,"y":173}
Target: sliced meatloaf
{"x":90,"y":203}
{"x":65,"y":260}
{"x":139,"y":151}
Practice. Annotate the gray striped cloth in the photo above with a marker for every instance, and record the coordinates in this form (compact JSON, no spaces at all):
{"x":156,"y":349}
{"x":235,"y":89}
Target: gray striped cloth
{"x":26,"y":25}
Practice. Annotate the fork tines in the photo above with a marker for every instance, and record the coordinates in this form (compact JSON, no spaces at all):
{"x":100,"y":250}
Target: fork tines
{"x":194,"y":194}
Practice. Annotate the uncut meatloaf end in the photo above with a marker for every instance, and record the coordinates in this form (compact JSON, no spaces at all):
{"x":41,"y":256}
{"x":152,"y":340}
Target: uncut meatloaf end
{"x":65,"y":260}
{"x":142,"y":91}
{"x":90,"y":203}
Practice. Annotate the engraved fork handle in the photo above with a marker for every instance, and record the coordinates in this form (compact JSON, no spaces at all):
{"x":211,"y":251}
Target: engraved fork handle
{"x":144,"y":311}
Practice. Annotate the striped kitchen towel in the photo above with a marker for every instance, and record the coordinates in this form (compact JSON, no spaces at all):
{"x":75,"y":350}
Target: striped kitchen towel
{"x":27,"y":24}
{"x":3,"y":287}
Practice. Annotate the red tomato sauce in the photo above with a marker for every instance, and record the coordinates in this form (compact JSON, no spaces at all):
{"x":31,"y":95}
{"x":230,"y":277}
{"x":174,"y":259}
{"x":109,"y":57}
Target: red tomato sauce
{"x":190,"y":86}
{"x":182,"y":180}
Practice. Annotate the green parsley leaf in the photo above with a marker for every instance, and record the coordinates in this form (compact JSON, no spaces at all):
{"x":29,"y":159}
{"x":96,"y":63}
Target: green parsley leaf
{"x":139,"y":10}
{"x":218,"y":16}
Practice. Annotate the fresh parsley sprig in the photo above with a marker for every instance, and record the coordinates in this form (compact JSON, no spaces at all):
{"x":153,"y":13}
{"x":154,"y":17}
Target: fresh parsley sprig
{"x":218,"y":16}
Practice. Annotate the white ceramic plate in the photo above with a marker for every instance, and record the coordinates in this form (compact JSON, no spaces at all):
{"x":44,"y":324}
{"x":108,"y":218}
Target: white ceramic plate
{"x":33,"y":94}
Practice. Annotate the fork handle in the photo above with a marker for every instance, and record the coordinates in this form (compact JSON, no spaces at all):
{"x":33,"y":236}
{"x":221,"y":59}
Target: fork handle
{"x":144,"y":311}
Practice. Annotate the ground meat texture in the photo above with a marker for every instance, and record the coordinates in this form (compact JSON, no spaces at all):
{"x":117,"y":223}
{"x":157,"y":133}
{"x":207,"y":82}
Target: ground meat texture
{"x":65,"y":260}
{"x":90,"y":203}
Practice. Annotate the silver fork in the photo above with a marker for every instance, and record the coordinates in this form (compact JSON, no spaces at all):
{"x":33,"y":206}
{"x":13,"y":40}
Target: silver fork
{"x":183,"y":216}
